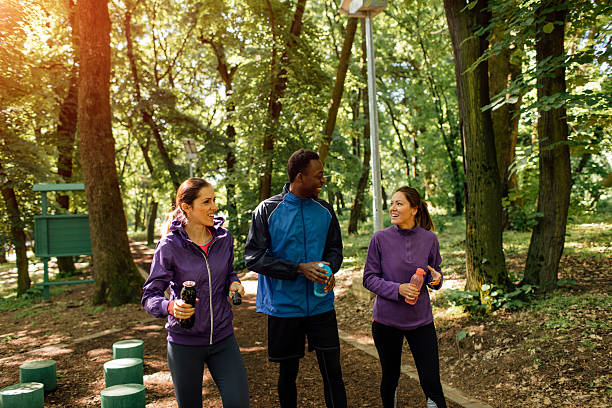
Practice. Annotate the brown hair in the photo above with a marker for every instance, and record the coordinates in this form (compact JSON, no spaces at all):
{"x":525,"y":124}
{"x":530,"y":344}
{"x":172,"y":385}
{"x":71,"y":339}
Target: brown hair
{"x":187,"y":192}
{"x":422,"y":218}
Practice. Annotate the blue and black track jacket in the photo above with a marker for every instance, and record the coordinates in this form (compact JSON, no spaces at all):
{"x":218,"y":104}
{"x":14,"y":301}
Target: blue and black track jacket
{"x":287,"y":230}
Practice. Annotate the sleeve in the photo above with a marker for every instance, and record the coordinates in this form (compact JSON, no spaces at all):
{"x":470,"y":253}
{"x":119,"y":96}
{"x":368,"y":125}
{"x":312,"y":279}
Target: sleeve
{"x":435,"y":260}
{"x":373,"y":279}
{"x":232,"y":276}
{"x":153,"y":299}
{"x":333,"y":244}
{"x":256,"y":250}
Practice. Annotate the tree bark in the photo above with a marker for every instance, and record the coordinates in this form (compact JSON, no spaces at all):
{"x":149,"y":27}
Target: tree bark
{"x":66,"y":132}
{"x":279,"y":84}
{"x":485,"y":257}
{"x":548,"y":237}
{"x":151,"y":223}
{"x":117,"y":279}
{"x":18,"y":237}
{"x":357,"y":209}
{"x":502,"y":71}
{"x":332,"y":113}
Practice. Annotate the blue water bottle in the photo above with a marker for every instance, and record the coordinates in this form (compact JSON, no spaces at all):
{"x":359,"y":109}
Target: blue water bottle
{"x":319,"y":288}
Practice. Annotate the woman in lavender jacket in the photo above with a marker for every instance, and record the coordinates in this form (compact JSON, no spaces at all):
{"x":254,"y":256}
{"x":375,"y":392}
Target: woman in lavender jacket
{"x":393,"y":257}
{"x":197,"y":248}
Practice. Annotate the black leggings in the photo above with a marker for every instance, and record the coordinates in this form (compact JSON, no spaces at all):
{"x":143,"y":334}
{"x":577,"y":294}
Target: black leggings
{"x":329,"y":365}
{"x":424,"y":347}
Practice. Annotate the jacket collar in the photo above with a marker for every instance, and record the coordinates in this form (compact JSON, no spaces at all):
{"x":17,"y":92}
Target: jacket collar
{"x":406,"y":231}
{"x":290,"y":197}
{"x":177,"y":227}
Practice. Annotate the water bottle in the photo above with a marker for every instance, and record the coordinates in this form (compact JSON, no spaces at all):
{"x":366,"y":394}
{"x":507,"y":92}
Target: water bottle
{"x":319,"y":287}
{"x":417,"y":280}
{"x":188,"y":295}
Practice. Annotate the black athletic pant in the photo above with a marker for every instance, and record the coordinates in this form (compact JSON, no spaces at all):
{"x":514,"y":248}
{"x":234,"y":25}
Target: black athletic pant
{"x":333,"y":385}
{"x":226,"y":367}
{"x":424,"y":347}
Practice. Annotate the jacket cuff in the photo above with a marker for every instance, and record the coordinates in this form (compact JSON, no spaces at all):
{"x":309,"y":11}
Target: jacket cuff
{"x":164,"y":307}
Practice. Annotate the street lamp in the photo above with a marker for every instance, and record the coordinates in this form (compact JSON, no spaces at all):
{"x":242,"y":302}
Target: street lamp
{"x":191,"y":154}
{"x":368,"y":9}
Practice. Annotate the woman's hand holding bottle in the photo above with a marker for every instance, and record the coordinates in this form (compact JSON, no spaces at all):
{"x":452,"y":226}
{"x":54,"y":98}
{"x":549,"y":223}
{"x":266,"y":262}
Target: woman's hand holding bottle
{"x":409,"y":291}
{"x":181,"y":310}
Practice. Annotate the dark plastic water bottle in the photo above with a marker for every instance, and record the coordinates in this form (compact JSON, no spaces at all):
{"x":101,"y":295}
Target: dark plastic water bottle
{"x":188,"y":295}
{"x":236,"y":298}
{"x":417,"y":280}
{"x":319,"y":288}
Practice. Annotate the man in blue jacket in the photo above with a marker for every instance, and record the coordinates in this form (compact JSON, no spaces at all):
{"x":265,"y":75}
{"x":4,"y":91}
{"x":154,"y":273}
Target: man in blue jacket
{"x":290,"y":234}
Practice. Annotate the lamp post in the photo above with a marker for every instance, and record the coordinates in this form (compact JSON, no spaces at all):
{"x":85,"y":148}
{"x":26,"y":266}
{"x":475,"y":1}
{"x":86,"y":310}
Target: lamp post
{"x":191,"y":154}
{"x":368,"y":9}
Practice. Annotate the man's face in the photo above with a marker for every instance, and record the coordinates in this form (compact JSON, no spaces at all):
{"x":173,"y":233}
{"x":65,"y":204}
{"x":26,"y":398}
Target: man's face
{"x":312,"y":179}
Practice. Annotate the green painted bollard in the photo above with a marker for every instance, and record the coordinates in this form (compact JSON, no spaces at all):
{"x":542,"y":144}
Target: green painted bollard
{"x":132,"y":348}
{"x":26,"y":395}
{"x":123,"y":371}
{"x":42,"y":371}
{"x":123,"y":396}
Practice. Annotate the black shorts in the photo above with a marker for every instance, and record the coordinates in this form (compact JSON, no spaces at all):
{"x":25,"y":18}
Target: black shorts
{"x":286,"y":335}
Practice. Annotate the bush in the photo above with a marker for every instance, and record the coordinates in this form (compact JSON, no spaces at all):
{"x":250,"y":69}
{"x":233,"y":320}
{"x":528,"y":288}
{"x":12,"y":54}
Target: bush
{"x":493,"y":298}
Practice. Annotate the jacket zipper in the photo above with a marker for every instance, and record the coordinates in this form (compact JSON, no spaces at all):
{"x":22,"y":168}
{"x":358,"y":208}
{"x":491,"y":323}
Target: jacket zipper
{"x":304,"y":232}
{"x":209,"y":288}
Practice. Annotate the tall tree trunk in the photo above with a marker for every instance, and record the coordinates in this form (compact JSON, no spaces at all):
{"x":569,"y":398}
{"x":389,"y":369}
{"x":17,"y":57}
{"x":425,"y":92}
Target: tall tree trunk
{"x":18,"y":237}
{"x":66,"y":132}
{"x":137,"y":215}
{"x":548,"y":237}
{"x":332,"y":113}
{"x":151,"y":223}
{"x":279,"y":84}
{"x":3,"y":259}
{"x":146,"y":115}
{"x":357,"y":209}
{"x":117,"y":279}
{"x":485,"y":257}
{"x":502,"y":71}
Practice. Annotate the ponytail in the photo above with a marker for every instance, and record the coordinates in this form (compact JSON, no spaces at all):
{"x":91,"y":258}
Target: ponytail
{"x":176,"y":214}
{"x":422,"y":218}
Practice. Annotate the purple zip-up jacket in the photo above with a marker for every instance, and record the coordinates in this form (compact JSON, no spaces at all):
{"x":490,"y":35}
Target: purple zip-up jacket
{"x":393,"y":257}
{"x":178,"y":259}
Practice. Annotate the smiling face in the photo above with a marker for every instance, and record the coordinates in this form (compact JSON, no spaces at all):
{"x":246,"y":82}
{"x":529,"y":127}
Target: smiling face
{"x":402,"y":213}
{"x":202,"y":210}
{"x":311,"y":180}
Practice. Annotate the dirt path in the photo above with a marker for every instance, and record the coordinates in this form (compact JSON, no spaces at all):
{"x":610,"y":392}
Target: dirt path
{"x":70,"y":331}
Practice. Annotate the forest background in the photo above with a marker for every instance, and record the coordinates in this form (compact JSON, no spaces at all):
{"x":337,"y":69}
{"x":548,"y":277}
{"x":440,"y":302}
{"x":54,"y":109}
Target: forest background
{"x":497,"y":111}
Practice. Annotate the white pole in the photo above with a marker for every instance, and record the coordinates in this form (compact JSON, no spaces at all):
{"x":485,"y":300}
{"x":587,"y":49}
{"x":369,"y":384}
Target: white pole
{"x":376,"y":185}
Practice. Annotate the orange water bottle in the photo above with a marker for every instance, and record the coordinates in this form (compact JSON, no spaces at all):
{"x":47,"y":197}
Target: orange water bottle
{"x":417,"y":280}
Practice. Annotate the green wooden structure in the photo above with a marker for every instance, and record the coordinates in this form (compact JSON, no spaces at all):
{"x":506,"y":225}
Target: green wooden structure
{"x":60,"y":235}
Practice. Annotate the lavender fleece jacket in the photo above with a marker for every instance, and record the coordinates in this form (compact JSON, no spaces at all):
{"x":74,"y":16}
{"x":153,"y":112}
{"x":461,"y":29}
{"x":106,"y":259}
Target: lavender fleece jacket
{"x":178,"y":259}
{"x":393,"y":257}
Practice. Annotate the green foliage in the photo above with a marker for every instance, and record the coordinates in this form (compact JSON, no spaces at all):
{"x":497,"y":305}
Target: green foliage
{"x":493,"y":298}
{"x":520,"y":217}
{"x":32,"y":296}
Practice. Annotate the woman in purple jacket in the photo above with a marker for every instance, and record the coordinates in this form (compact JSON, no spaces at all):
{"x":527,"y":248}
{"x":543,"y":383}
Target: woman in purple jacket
{"x":197,"y":248}
{"x":393,"y":257}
